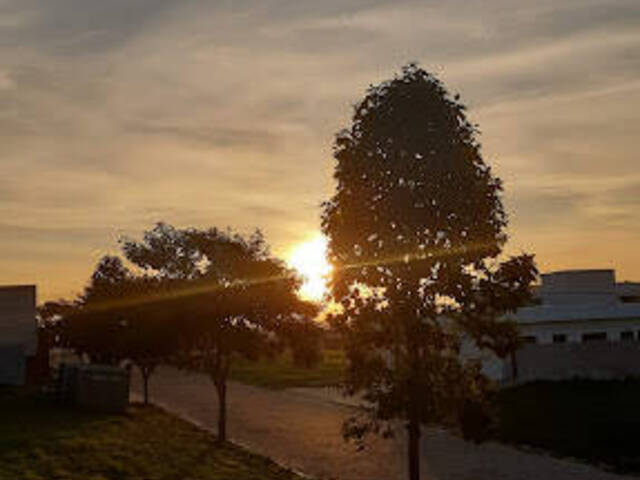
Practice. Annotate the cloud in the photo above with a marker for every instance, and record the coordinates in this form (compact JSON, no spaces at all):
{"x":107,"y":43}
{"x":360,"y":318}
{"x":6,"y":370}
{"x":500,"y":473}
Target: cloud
{"x":114,"y":115}
{"x":212,"y":137}
{"x":71,"y":27}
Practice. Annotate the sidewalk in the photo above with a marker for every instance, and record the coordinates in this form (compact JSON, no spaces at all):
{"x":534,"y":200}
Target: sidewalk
{"x":300,"y":428}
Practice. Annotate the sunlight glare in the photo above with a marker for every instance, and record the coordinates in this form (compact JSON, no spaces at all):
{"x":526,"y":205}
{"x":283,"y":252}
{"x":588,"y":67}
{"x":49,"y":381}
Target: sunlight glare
{"x":310,"y":260}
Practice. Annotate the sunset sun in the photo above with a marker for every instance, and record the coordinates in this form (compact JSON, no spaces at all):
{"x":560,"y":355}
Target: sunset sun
{"x":310,"y":260}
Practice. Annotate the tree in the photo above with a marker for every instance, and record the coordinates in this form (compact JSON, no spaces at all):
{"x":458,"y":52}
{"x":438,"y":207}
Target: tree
{"x":233,"y":298}
{"x":49,"y":316}
{"x":94,"y":325}
{"x":121,"y":316}
{"x":415,"y":229}
{"x":149,"y":336}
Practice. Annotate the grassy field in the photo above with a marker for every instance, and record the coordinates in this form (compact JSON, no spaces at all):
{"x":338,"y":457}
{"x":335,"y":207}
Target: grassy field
{"x":41,"y":441}
{"x":597,"y":421}
{"x":282,"y":373}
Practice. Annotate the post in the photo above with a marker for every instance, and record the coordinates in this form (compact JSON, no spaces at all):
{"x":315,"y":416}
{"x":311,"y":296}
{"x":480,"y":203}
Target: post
{"x":145,"y":380}
{"x":514,"y":366}
{"x":413,"y":428}
{"x":221,"y":388}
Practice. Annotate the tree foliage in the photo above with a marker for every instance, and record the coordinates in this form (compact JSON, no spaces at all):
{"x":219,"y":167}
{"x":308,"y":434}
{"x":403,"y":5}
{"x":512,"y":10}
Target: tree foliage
{"x":416,"y":227}
{"x":121,"y":316}
{"x":232,"y":296}
{"x":93,"y":327}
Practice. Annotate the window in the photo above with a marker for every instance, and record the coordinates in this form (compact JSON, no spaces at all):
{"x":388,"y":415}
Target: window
{"x":529,"y":339}
{"x":559,"y":338}
{"x":626,"y":336}
{"x":594,"y":337}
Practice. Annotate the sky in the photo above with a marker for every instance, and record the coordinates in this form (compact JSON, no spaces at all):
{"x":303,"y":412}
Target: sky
{"x":115,"y":115}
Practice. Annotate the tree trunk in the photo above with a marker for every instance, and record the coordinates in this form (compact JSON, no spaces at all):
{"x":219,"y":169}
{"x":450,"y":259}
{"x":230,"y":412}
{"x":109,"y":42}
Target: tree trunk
{"x":413,"y":428}
{"x":145,"y":382}
{"x":221,"y":388}
{"x":514,"y":367}
{"x":146,"y":371}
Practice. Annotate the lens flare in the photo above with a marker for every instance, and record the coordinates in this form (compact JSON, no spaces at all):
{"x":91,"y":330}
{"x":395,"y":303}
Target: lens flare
{"x":310,"y":260}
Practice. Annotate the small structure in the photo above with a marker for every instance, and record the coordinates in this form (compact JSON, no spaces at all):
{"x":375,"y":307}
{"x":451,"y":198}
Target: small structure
{"x":101,"y":388}
{"x":18,"y":332}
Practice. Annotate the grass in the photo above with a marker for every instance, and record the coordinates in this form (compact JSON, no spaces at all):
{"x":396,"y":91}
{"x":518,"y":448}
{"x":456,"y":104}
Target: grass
{"x":42,"y":441}
{"x":596,"y":421}
{"x":281,"y":372}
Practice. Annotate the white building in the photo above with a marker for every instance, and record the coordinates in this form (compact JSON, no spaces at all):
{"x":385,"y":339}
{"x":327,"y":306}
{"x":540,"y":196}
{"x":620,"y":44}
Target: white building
{"x":18,"y":332}
{"x":582,"y":324}
{"x":578,"y":306}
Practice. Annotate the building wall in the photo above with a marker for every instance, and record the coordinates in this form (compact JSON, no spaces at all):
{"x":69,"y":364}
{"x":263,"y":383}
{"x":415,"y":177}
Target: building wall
{"x":598,"y":360}
{"x":18,"y":331}
{"x":574,"y":331}
{"x":575,"y":287}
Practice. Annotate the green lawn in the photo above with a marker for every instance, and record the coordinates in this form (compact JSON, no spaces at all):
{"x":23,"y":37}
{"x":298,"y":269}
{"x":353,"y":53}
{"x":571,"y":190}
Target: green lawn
{"x":282,"y":373}
{"x":41,"y":441}
{"x":597,"y":421}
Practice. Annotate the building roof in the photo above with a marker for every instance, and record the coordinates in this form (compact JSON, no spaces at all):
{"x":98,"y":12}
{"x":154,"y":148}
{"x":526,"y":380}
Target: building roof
{"x":565,"y":313}
{"x":574,"y":295}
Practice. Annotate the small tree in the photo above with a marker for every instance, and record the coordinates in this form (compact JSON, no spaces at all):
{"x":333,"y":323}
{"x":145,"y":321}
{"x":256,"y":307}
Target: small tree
{"x":49,"y":316}
{"x":120,"y":316}
{"x":415,"y":229}
{"x":151,"y":327}
{"x":94,"y":325}
{"x":233,"y":298}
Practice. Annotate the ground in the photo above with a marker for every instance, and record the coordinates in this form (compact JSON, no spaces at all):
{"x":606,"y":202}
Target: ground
{"x":300,"y":428}
{"x":41,"y":441}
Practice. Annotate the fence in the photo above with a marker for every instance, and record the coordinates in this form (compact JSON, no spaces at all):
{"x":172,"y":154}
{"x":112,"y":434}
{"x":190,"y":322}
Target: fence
{"x":597,"y":360}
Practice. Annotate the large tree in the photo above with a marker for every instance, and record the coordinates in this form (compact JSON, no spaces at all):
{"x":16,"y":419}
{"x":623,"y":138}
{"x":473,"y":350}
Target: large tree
{"x":232,"y":296}
{"x":416,"y":229}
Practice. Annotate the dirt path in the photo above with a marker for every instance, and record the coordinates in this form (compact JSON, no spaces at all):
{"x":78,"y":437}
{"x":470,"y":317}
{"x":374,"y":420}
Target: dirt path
{"x":301,"y":429}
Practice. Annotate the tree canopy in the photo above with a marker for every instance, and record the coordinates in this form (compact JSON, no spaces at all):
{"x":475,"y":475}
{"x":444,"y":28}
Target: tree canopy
{"x":232,"y":296}
{"x":120,"y":316}
{"x":416,"y":228}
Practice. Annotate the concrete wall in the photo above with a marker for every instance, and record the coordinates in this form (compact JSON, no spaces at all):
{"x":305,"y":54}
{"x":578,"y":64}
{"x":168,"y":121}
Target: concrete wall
{"x":597,"y":360}
{"x":18,"y":331}
{"x":18,"y":317}
{"x":12,"y":365}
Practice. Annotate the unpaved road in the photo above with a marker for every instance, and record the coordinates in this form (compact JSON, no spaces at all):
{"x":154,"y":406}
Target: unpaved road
{"x":301,"y":429}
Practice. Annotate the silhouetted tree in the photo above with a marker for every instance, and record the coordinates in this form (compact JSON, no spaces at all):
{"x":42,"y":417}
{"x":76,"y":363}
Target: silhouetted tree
{"x":94,"y":325}
{"x":415,"y":229}
{"x":149,"y":336}
{"x":232,"y":297}
{"x":49,"y":316}
{"x":166,"y":251}
{"x":121,"y":316}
